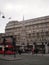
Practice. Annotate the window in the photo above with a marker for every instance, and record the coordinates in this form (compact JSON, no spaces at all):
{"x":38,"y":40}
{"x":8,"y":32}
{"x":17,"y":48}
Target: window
{"x":29,"y":35}
{"x":37,"y":34}
{"x":47,"y":33}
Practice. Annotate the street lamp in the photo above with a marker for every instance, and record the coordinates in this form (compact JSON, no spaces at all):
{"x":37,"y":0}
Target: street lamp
{"x":2,"y":15}
{"x":4,"y":40}
{"x":14,"y":40}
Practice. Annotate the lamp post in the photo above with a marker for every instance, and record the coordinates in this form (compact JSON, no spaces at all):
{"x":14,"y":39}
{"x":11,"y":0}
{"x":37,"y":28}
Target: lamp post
{"x":14,"y":44}
{"x":14,"y":41}
{"x":4,"y":40}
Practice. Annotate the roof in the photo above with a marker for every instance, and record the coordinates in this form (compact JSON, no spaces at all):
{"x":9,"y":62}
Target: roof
{"x":36,"y":19}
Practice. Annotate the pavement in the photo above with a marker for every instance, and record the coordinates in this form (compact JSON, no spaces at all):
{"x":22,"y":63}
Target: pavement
{"x":25,"y":59}
{"x":18,"y":57}
{"x":9,"y":57}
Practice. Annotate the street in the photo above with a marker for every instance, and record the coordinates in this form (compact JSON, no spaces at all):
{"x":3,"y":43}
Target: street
{"x":27,"y":59}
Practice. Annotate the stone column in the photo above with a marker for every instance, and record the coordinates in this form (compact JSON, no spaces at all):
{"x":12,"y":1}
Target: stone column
{"x":46,"y":48}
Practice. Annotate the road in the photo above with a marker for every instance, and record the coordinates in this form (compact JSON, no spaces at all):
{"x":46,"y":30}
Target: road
{"x":27,"y":60}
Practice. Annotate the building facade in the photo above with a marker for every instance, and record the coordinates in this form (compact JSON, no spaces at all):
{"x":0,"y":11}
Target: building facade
{"x":33,"y":32}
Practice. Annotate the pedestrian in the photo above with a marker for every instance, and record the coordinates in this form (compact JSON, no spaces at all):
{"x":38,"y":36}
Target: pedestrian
{"x":19,"y":51}
{"x":36,"y":50}
{"x":32,"y":51}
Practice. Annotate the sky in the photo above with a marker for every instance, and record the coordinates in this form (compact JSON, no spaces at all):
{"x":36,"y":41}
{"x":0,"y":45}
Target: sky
{"x":17,"y":9}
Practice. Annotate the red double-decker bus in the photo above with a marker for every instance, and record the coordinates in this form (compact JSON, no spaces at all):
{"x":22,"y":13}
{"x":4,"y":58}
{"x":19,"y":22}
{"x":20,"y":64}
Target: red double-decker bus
{"x":7,"y":46}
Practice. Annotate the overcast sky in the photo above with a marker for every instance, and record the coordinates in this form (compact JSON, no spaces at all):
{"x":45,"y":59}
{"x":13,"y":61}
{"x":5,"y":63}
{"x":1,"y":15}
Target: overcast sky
{"x":16,"y":9}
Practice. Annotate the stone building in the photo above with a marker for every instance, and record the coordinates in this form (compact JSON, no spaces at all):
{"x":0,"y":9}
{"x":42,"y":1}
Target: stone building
{"x":32,"y":32}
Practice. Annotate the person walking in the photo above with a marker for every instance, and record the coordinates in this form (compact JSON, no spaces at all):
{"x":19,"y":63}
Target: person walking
{"x":32,"y":51}
{"x":19,"y":51}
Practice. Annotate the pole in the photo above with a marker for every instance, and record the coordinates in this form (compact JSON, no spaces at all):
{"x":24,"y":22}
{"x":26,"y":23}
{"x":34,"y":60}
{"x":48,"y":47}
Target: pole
{"x":14,"y":41}
{"x":14,"y":44}
{"x":4,"y":42}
